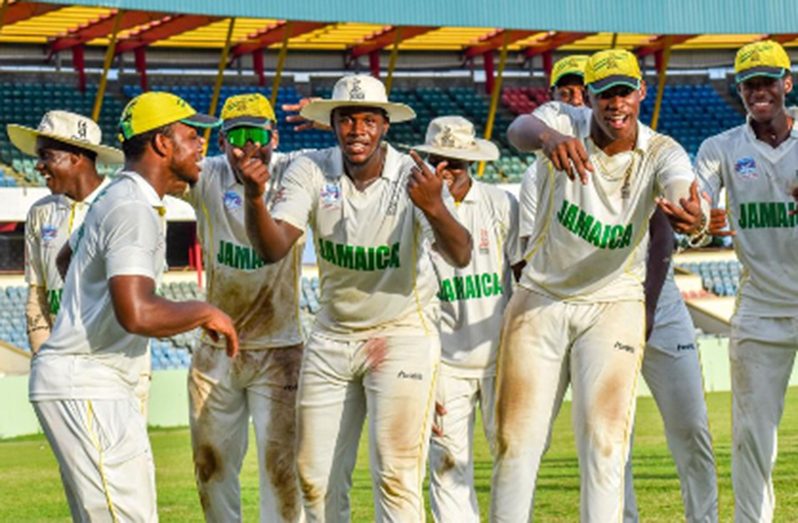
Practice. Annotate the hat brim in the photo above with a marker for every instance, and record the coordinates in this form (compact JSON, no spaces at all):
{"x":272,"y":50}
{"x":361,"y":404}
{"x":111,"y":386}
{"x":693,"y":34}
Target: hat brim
{"x":319,"y":111}
{"x":484,"y":151}
{"x":203,"y":121}
{"x":599,"y":86}
{"x":244,"y":121}
{"x":770,"y":72}
{"x":24,"y":139}
{"x":556,"y":79}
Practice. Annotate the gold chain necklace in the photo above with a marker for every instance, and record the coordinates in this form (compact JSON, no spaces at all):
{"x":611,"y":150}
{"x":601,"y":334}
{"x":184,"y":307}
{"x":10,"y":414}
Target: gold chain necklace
{"x":627,"y":176}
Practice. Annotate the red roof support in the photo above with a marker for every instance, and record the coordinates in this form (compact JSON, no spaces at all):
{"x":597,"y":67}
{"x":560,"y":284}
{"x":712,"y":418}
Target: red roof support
{"x":659,"y":43}
{"x":20,"y":11}
{"x":273,"y":34}
{"x":102,"y":27}
{"x":496,"y":40}
{"x":387,"y":37}
{"x":553,"y":41}
{"x":163,"y":29}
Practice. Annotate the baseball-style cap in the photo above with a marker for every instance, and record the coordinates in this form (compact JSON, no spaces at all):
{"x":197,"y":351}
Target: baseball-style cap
{"x":155,"y":109}
{"x":65,"y":127}
{"x":357,"y":91}
{"x":247,"y":110}
{"x":455,"y":137}
{"x":612,"y":67}
{"x":573,"y":64}
{"x":765,"y":58}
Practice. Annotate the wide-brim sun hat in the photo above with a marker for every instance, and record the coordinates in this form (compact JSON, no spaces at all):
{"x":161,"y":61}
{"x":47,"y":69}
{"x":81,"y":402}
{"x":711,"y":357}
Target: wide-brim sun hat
{"x":455,"y":137}
{"x":356,"y":91}
{"x":65,"y":127}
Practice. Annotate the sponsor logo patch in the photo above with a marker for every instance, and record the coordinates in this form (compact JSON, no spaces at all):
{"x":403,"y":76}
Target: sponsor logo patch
{"x":232,"y":200}
{"x":484,"y":243}
{"x":49,"y":232}
{"x":330,"y":195}
{"x":687,"y":346}
{"x":410,"y":375}
{"x":624,"y":347}
{"x":746,"y":168}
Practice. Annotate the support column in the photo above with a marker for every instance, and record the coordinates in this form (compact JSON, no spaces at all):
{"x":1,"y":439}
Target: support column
{"x":79,"y":64}
{"x":217,"y":86}
{"x":257,"y":65}
{"x":110,"y":52}
{"x":374,"y":63}
{"x":496,"y":89}
{"x":487,"y":64}
{"x":661,"y":59}
{"x":140,"y":56}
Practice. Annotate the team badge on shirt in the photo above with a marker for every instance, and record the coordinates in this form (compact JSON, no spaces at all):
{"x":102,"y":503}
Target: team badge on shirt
{"x":232,"y":200}
{"x":746,"y":168}
{"x":49,"y":232}
{"x":484,"y":243}
{"x":330,"y":195}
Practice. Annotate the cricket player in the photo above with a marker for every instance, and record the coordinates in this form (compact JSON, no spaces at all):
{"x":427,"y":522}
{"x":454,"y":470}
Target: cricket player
{"x":83,"y":378}
{"x":70,"y":147}
{"x":578,"y":316}
{"x":671,"y":366}
{"x":472,"y":302}
{"x":375,"y":216}
{"x":263,"y":301}
{"x":757,"y":164}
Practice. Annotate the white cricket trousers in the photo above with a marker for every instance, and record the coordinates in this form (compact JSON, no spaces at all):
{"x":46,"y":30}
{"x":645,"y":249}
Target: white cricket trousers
{"x":105,"y":458}
{"x":451,"y":457}
{"x":672,"y":370}
{"x":544,"y":342}
{"x":223,"y":394}
{"x":761,"y":353}
{"x":391,"y":380}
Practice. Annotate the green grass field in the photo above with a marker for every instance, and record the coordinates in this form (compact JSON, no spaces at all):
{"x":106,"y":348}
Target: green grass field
{"x":30,"y":489}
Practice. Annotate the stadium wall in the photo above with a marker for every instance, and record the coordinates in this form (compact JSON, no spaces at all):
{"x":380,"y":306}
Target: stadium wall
{"x":169,"y":397}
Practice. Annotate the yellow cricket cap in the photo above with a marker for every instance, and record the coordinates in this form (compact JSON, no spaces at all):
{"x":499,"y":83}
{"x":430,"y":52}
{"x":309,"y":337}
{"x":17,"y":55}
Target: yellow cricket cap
{"x":765,"y":58}
{"x":612,"y":67}
{"x":252,"y":109}
{"x":155,"y":109}
{"x":573,"y":64}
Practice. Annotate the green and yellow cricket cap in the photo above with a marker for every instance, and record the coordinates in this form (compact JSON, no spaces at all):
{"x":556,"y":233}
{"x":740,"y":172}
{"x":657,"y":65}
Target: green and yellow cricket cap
{"x":251,"y":109}
{"x":765,"y":58}
{"x":570,"y":65}
{"x":155,"y":109}
{"x":612,"y":67}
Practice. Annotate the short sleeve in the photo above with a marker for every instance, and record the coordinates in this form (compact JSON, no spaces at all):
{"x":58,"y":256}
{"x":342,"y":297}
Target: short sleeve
{"x":565,"y":119}
{"x":708,"y":168}
{"x":33,"y":262}
{"x":674,"y":173}
{"x":293,"y":202}
{"x":131,"y":235}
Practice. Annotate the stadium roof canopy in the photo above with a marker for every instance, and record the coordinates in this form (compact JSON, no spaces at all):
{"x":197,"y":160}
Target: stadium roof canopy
{"x":360,"y":27}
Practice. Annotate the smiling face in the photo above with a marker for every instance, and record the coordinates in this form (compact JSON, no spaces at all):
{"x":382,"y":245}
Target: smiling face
{"x":763,"y":96}
{"x":186,"y":154}
{"x":615,"y":111}
{"x":58,"y":165}
{"x":359,"y":131}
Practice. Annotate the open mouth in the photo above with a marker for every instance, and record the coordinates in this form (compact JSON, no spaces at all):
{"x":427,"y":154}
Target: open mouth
{"x":617,"y":121}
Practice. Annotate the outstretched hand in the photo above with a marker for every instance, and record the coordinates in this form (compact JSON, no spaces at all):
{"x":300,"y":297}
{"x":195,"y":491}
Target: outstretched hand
{"x":254,"y":173}
{"x":300,"y":123}
{"x":686,"y":217}
{"x":568,"y":154}
{"x":425,"y":185}
{"x":220,"y":324}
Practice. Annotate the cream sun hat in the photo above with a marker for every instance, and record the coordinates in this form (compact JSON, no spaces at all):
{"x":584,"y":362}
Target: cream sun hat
{"x":455,"y":137}
{"x":353,"y":91}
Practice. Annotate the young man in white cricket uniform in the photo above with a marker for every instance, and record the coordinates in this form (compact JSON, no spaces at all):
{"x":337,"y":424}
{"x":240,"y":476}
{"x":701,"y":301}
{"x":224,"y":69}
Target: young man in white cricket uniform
{"x":671,"y":366}
{"x":757,"y":164}
{"x":263,"y":301}
{"x":472,"y":302}
{"x":375,"y":214}
{"x":577,"y":316}
{"x":82,"y":380}
{"x":69,"y":146}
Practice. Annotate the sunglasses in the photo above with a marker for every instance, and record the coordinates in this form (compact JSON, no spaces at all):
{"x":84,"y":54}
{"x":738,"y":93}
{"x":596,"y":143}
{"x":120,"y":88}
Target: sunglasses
{"x":239,"y":136}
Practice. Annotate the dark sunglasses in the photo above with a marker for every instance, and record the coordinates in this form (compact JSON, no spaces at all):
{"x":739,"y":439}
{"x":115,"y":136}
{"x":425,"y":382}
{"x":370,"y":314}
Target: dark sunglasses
{"x":451,"y":164}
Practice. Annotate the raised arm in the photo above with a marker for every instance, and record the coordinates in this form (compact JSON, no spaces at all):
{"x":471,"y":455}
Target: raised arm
{"x":425,"y":187}
{"x":272,"y":239}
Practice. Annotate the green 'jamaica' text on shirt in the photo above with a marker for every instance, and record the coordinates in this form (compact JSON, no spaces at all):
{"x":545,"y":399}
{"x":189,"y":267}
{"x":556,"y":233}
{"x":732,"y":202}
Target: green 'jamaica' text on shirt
{"x":470,"y":286}
{"x":359,"y":258}
{"x":590,"y":229}
{"x":238,"y":256}
{"x":760,"y":215}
